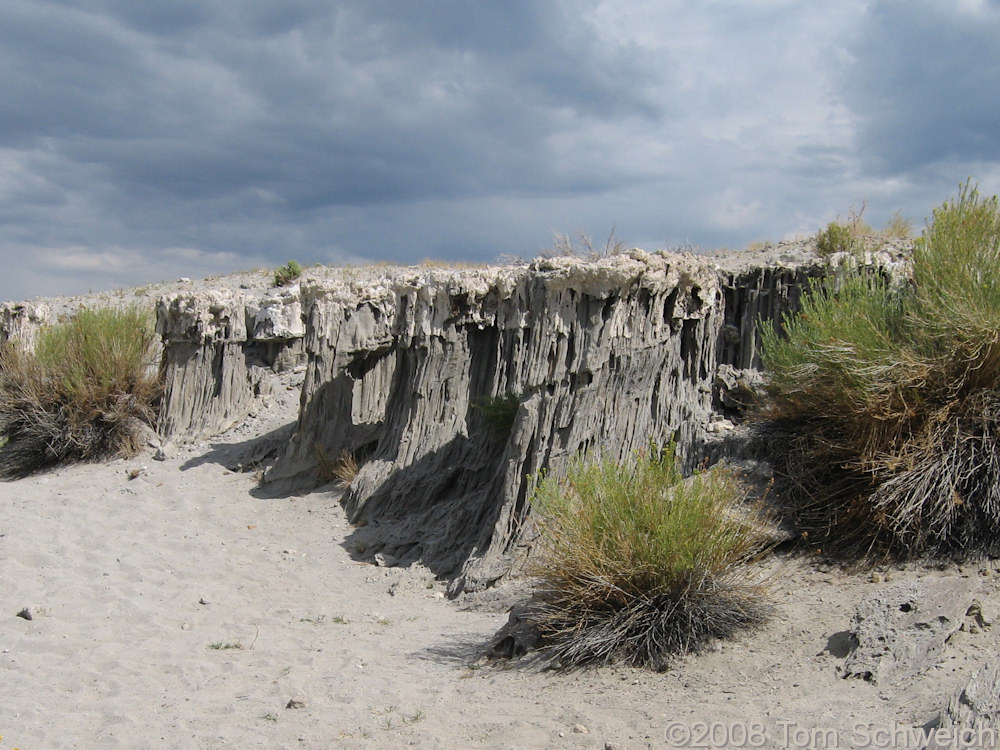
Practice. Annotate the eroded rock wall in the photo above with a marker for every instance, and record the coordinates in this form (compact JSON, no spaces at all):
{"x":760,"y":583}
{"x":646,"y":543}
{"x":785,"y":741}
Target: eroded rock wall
{"x":603,"y":355}
{"x":454,"y":387}
{"x":220,"y":347}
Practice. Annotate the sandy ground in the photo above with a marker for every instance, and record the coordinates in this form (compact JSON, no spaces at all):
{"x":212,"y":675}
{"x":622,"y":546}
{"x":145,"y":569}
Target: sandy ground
{"x":179,"y":609}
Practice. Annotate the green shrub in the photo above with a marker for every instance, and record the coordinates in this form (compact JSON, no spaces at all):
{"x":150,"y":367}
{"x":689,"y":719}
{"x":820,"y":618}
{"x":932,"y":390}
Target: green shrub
{"x":885,"y":411}
{"x":836,"y":238}
{"x":844,"y":236}
{"x":637,"y":563}
{"x":82,"y":394}
{"x":287,"y":273}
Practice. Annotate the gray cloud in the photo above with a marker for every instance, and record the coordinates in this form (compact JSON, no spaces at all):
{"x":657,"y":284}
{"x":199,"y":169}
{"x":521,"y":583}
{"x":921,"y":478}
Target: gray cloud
{"x":925,"y":82}
{"x":141,"y":141}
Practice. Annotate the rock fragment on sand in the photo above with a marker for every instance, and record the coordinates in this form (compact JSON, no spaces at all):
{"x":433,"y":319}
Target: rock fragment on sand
{"x":25,"y":614}
{"x":900,"y":630}
{"x":517,"y":637}
{"x":295,"y":703}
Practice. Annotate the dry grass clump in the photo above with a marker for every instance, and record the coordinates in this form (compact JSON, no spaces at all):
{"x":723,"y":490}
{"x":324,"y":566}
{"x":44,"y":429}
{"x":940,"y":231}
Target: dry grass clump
{"x":82,"y":394}
{"x":898,"y":226}
{"x":342,"y":469}
{"x":638,"y":564}
{"x":887,"y":402}
{"x":585,"y":246}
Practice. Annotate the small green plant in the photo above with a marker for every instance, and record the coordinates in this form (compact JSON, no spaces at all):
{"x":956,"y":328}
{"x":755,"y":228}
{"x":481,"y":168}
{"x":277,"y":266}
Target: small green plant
{"x":226,"y":646}
{"x":885,"y":401}
{"x":844,"y":236}
{"x":836,"y":238}
{"x":271,"y":717}
{"x":638,"y":563}
{"x":82,"y":394}
{"x":287,"y":273}
{"x":499,"y":412}
{"x":389,"y":713}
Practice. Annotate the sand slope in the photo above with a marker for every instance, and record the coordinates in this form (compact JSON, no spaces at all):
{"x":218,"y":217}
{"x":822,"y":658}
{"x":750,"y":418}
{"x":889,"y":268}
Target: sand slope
{"x":132,"y":581}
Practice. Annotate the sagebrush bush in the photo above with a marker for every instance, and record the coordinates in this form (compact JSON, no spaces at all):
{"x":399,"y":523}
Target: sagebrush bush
{"x":837,"y":238}
{"x":844,"y":236}
{"x":287,"y":273}
{"x":81,"y":394}
{"x":637,"y":564}
{"x":886,"y":401}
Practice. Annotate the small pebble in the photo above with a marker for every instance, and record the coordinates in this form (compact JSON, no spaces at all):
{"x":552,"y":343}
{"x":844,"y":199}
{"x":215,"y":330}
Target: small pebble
{"x":185,"y":626}
{"x":295,"y":703}
{"x":580,"y":729}
{"x":876,"y":577}
{"x":25,"y":614}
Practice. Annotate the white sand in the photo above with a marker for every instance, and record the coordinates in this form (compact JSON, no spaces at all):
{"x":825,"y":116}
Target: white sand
{"x":131,"y":581}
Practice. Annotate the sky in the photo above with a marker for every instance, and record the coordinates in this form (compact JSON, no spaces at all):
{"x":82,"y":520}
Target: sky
{"x":145,"y":140}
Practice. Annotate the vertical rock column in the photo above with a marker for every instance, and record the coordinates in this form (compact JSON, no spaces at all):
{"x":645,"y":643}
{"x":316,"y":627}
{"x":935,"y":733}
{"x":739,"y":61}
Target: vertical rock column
{"x":21,"y":321}
{"x":351,"y":362}
{"x":206,"y":380}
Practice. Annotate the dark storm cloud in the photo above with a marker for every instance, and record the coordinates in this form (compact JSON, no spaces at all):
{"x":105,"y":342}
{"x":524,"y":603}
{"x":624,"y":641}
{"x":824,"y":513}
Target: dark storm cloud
{"x":322,"y":105}
{"x":141,"y":140}
{"x":926,"y":83}
{"x":175,"y":124}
